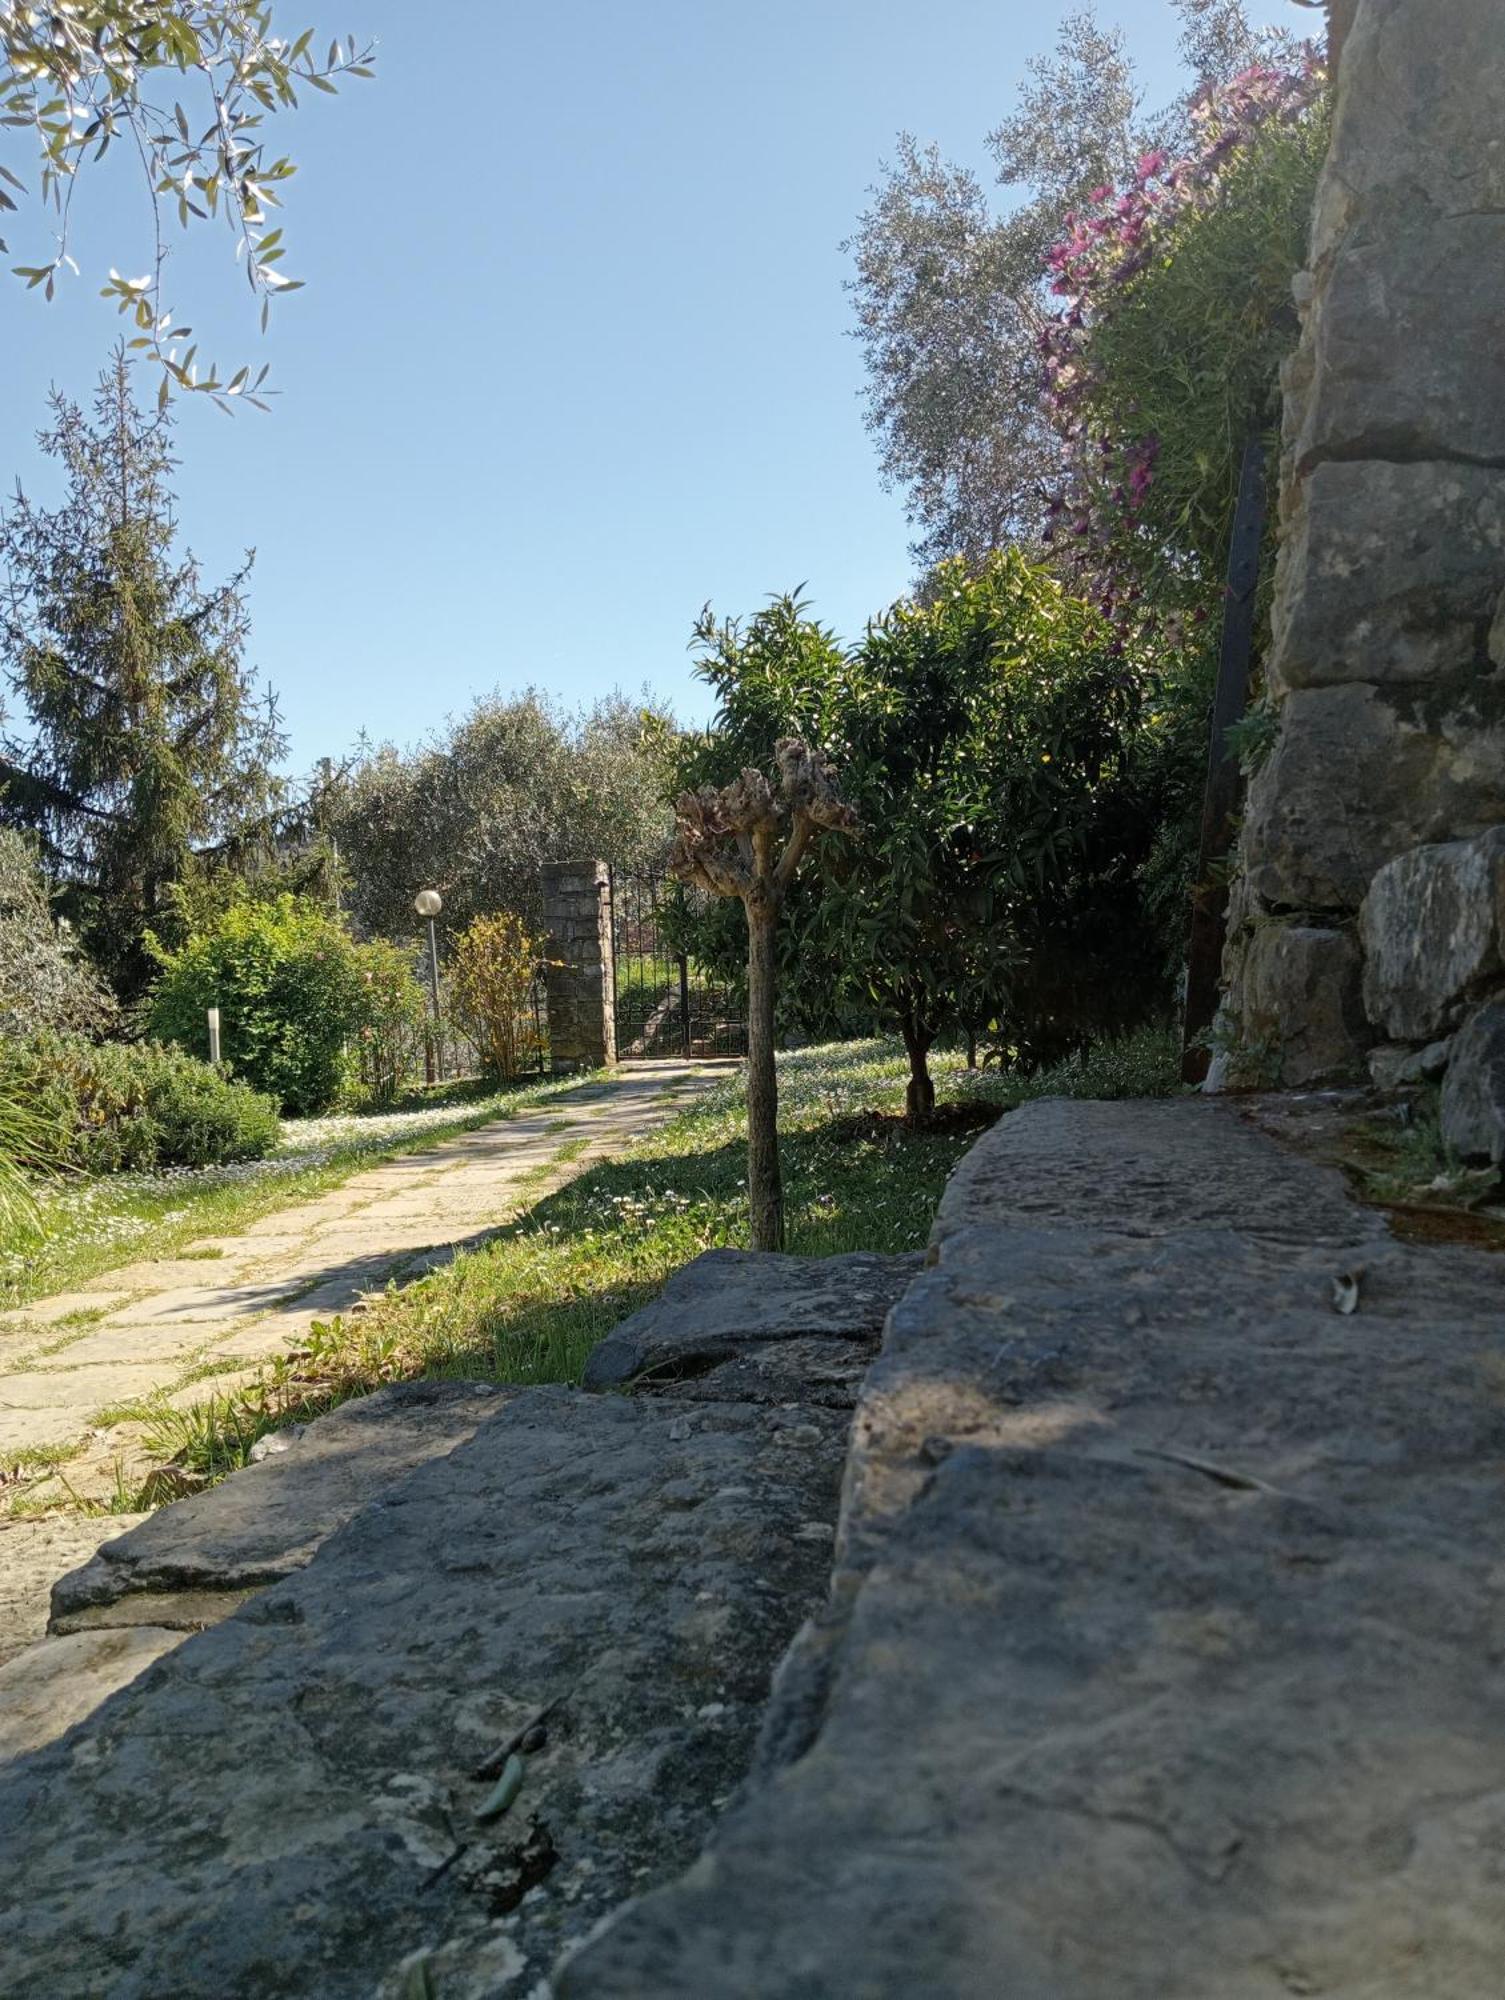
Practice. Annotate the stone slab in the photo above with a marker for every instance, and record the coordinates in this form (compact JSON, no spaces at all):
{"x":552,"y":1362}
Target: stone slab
{"x":1361,"y":774}
{"x":288,"y":1802}
{"x":727,"y":1301}
{"x":80,"y":1390}
{"x":63,"y":1305}
{"x":1428,"y":541}
{"x":1162,"y":1659}
{"x":1410,"y":235}
{"x":268,"y":1520}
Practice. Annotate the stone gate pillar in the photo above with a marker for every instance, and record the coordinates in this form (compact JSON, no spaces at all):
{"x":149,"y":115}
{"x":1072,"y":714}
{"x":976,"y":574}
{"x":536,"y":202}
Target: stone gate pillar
{"x":1386,"y":675}
{"x":580,"y":973}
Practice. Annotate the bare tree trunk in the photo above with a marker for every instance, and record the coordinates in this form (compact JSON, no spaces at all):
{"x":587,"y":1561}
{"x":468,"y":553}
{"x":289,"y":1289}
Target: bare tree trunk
{"x":919,"y":1097}
{"x":971,"y":1048}
{"x":765,"y":1191}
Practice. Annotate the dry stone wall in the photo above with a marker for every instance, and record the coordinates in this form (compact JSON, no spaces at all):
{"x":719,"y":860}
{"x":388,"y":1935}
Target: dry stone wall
{"x":1367,"y":926}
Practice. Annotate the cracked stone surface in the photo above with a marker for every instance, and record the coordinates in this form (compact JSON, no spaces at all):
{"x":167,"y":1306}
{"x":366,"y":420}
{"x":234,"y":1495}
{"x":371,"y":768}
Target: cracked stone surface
{"x":288,"y":1802}
{"x":268,"y":1520}
{"x":1163,"y":1652}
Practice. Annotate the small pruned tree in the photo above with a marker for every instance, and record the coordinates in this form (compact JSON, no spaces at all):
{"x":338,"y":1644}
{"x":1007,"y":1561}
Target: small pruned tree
{"x":491,"y":977}
{"x":747,"y":840}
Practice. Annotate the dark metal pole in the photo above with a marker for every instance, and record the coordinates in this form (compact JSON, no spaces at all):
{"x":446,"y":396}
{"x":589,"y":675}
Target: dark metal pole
{"x":434,"y":988}
{"x":684,"y":1003}
{"x":1209,"y":896}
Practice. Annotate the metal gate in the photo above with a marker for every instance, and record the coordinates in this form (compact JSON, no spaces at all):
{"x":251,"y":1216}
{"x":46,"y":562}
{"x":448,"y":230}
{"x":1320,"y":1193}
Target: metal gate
{"x":667,"y":1003}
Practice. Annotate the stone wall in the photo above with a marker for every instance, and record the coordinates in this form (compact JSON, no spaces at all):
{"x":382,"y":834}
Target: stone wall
{"x":580,"y":981}
{"x":1366,"y":922}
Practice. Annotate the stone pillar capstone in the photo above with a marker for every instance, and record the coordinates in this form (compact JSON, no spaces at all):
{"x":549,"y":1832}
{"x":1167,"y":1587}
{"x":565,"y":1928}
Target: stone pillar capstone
{"x":579,"y":975}
{"x":1386,"y":673}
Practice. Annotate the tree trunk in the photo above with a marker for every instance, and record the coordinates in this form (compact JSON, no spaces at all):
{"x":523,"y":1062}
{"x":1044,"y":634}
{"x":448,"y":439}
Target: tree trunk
{"x":919,"y":1098}
{"x":765,"y":1192}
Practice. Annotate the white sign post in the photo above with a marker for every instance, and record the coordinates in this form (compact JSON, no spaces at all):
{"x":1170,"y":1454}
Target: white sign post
{"x":214,"y":1034}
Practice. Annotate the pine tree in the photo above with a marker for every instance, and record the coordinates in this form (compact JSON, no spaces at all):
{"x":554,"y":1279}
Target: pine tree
{"x":143,"y":738}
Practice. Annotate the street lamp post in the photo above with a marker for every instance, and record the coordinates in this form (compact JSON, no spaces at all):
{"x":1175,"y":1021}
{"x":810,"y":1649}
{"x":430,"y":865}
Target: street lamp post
{"x":428,"y":903}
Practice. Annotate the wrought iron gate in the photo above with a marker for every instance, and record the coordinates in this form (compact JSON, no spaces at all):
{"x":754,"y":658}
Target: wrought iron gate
{"x":667,"y":1003}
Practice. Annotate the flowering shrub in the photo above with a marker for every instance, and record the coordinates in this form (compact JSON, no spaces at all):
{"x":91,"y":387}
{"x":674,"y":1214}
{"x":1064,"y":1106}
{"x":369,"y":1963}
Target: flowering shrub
{"x":1163,"y":358}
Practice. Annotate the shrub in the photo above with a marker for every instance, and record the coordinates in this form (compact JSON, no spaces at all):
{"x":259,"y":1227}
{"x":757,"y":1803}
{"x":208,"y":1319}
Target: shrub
{"x":45,"y":980}
{"x":992,"y":736}
{"x":491,"y":979}
{"x":115,"y":1106}
{"x":287,"y":979}
{"x":392,"y":1019}
{"x":28,"y":1147}
{"x":1164,"y":359}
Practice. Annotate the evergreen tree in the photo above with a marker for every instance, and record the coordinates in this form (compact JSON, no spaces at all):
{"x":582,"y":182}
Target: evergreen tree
{"x":142,"y":737}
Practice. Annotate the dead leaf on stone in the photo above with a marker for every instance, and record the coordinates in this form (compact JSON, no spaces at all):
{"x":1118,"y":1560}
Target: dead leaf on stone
{"x":1346,"y":1291}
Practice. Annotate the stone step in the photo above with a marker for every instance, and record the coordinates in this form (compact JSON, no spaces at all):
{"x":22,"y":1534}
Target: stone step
{"x":1163,"y":1655}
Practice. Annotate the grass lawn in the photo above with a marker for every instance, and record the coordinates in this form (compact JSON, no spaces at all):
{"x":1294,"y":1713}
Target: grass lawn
{"x":530,"y":1304}
{"x":95,"y":1224}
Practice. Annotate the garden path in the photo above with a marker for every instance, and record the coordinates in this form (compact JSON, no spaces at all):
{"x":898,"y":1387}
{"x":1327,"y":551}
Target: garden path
{"x":73,"y":1366}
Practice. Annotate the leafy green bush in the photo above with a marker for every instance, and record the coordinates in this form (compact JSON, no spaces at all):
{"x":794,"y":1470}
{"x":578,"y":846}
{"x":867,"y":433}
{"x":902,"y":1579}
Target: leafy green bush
{"x":994,"y":740}
{"x":391,"y":1034}
{"x":114,"y":1106}
{"x":288,"y":981}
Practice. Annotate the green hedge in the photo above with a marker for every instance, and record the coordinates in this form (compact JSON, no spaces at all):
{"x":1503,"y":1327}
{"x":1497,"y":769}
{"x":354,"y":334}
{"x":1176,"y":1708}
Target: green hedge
{"x":140,"y":1106}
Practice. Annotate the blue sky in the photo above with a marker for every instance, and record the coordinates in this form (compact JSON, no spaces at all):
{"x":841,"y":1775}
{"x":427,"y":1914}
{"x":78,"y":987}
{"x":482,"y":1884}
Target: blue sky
{"x":572,"y":357}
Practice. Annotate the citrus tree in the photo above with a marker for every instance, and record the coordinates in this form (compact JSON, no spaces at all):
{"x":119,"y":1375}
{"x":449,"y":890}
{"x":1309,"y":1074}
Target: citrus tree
{"x":997,"y":744}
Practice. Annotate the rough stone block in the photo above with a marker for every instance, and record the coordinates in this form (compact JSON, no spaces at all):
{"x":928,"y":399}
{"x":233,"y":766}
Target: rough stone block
{"x":1409,"y":241}
{"x":1473,"y":1091}
{"x":730,"y":1303}
{"x":295,"y":1801}
{"x":1157,"y":1661}
{"x":1433,"y":927}
{"x":1296,"y":995}
{"x":1358,"y":775}
{"x":1390,"y":573}
{"x":1395,"y":1064}
{"x":269,"y":1519}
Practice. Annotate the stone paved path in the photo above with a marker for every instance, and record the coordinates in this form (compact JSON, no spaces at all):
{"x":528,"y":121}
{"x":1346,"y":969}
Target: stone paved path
{"x":192,"y":1325}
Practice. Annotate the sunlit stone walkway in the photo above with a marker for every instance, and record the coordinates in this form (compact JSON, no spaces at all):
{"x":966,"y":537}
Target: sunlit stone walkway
{"x":73,"y":1367}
